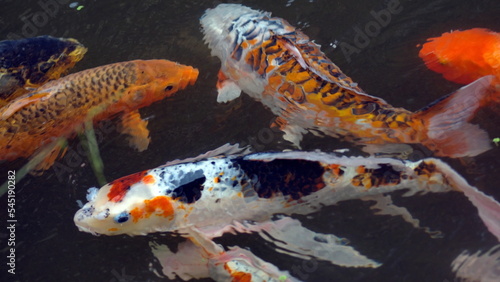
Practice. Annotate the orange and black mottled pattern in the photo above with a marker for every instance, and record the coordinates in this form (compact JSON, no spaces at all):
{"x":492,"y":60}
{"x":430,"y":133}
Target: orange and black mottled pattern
{"x":428,"y":169}
{"x":385,"y":175}
{"x":325,"y":86}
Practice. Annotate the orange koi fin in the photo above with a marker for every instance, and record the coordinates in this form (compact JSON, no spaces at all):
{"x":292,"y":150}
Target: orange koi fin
{"x":446,"y":120}
{"x":18,"y":104}
{"x":227,"y":89}
{"x":133,"y":125}
{"x":57,"y":151}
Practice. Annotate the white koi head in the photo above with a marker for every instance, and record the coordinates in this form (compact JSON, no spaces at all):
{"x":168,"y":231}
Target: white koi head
{"x":164,"y":199}
{"x":130,"y":205}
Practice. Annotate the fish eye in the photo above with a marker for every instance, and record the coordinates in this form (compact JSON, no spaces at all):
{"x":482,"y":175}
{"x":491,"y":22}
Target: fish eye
{"x":122,"y":217}
{"x":169,"y":87}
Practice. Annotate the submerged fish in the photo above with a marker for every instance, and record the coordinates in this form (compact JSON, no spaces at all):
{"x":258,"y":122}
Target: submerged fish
{"x":61,"y":107}
{"x":204,"y":198}
{"x":276,"y":64}
{"x":463,"y":56}
{"x":31,"y":62}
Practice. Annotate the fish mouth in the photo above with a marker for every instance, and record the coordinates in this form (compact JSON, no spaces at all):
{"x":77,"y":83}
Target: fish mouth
{"x":86,"y":229}
{"x":81,"y":217}
{"x":189,"y":77}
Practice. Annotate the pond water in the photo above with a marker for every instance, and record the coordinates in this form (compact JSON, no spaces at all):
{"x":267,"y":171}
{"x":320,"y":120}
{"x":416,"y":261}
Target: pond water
{"x":50,"y":248}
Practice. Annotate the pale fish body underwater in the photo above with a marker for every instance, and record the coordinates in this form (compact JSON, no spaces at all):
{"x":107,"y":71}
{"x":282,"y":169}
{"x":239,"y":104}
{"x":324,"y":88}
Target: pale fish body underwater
{"x":278,"y":65}
{"x":203,"y":198}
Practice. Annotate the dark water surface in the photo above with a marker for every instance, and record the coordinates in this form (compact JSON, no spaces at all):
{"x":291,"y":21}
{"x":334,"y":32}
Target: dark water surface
{"x":49,"y":246}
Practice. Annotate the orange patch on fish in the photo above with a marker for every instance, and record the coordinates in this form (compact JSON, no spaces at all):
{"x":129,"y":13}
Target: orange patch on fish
{"x":120,"y":186}
{"x":360,"y":169}
{"x":336,"y":170}
{"x":113,"y":229}
{"x":148,"y":179}
{"x":160,"y":206}
{"x":238,"y":276}
{"x":241,"y":277}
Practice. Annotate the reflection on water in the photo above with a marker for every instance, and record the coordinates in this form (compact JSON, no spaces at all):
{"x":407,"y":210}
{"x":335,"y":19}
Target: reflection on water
{"x":386,"y":64}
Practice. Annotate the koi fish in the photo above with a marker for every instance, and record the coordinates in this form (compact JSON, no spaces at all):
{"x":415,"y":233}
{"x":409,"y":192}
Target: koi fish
{"x":60,"y":107}
{"x":31,"y":62}
{"x":203,"y":198}
{"x":278,"y":65}
{"x":463,"y":56}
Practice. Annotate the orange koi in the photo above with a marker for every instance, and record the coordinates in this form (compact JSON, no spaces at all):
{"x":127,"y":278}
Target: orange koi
{"x":463,"y":56}
{"x":61,"y":107}
{"x":278,"y":65}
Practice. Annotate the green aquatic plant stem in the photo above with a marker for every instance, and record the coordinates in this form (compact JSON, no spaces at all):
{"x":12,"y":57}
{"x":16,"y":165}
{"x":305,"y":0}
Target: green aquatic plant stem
{"x":89,"y":142}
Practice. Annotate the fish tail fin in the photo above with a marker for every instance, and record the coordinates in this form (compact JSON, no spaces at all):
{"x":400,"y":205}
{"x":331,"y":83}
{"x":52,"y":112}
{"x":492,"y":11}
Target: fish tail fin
{"x":488,"y":208}
{"x":449,"y":132}
{"x":495,"y":96}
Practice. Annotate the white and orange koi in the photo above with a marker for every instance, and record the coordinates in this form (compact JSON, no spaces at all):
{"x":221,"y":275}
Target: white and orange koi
{"x":278,"y":65}
{"x":204,"y":198}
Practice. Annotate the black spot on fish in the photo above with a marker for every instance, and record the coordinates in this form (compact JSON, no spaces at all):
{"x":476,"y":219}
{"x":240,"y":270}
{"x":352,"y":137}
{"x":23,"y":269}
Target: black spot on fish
{"x":294,"y":178}
{"x":190,"y":187}
{"x":250,"y":34}
{"x":237,"y":53}
{"x":425,"y":168}
{"x":382,"y":176}
{"x":87,"y":212}
{"x":122,"y":217}
{"x":365,"y":108}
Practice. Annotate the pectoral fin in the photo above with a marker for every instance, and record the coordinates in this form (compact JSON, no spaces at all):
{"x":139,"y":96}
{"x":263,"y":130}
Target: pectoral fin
{"x":136,"y":128}
{"x":190,"y":261}
{"x":45,"y":158}
{"x":385,"y":206}
{"x":291,"y":238}
{"x":241,"y":265}
{"x":293,"y":133}
{"x":227,"y":89}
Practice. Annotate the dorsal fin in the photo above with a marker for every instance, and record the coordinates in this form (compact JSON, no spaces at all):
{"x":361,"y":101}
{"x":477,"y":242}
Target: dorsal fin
{"x":310,"y":57}
{"x":224,"y":150}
